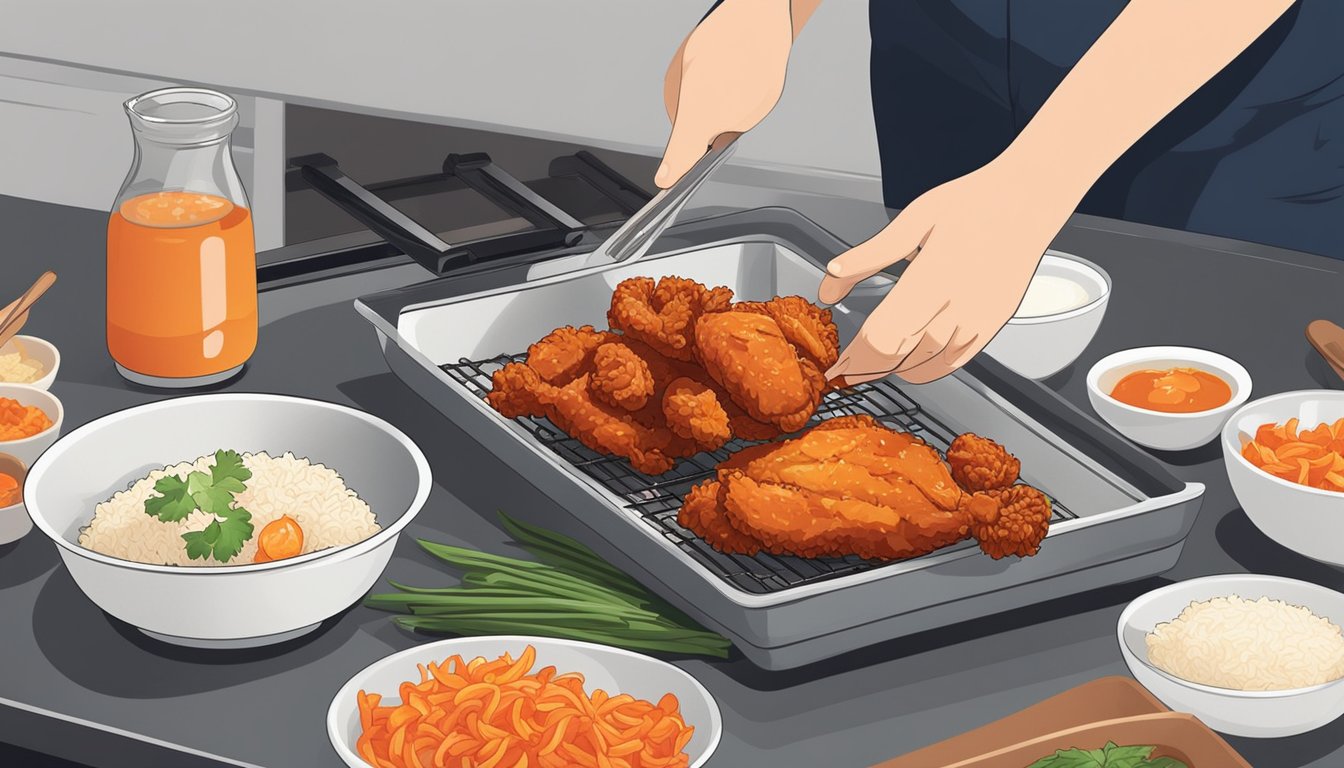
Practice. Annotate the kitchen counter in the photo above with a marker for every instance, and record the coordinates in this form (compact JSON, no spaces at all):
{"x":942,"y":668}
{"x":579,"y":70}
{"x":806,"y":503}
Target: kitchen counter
{"x":79,"y":685}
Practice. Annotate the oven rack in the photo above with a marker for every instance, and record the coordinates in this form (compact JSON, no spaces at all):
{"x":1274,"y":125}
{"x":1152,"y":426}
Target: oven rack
{"x":657,"y":500}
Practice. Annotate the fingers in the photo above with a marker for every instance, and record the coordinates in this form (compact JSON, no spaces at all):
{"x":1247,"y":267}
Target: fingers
{"x":963,"y":346}
{"x":901,"y":239}
{"x":692,"y":133}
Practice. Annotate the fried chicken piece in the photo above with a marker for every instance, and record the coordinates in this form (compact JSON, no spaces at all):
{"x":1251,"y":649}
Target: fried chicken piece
{"x":1021,"y":525}
{"x":518,"y":388}
{"x":980,"y":464}
{"x":851,"y":486}
{"x":748,"y":355}
{"x":693,"y":411}
{"x":620,"y":377}
{"x":566,"y":353}
{"x":808,"y":328}
{"x":663,"y":314}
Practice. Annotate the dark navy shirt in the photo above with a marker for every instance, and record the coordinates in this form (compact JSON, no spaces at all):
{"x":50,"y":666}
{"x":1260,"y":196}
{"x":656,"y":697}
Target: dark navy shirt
{"x":1257,"y":154}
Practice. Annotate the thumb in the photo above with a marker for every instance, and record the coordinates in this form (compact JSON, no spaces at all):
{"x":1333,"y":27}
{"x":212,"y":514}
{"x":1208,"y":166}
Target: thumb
{"x":690,"y":139}
{"x":901,"y":239}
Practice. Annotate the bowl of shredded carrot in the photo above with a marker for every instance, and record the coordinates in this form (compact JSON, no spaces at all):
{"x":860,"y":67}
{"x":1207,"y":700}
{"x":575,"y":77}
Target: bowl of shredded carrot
{"x":1285,"y":459}
{"x":523,"y":702}
{"x":30,"y":421}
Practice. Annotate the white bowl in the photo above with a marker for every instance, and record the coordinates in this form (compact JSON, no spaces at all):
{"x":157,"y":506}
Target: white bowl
{"x":1038,"y":347}
{"x":611,"y":669}
{"x":266,"y":602}
{"x":42,"y":351}
{"x":14,"y":520}
{"x":29,"y":448}
{"x":1259,"y":714}
{"x":1155,"y":429}
{"x":1309,"y":521}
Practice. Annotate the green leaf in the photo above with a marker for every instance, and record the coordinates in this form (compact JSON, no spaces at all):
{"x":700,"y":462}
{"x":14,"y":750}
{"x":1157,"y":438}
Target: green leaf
{"x":1072,"y":758}
{"x":197,"y":547}
{"x":173,"y":503}
{"x":1110,"y":756}
{"x":211,"y":533}
{"x":233,"y":533}
{"x":229,"y":472}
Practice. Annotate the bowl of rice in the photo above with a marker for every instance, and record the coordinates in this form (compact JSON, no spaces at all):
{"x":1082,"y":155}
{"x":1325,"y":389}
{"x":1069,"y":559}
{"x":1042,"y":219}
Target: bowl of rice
{"x":1250,"y":655}
{"x":228,"y":520}
{"x":29,"y":360}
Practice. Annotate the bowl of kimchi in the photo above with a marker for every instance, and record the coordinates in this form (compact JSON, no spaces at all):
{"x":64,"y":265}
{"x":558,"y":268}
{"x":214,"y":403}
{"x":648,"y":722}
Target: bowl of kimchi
{"x":1285,"y":459}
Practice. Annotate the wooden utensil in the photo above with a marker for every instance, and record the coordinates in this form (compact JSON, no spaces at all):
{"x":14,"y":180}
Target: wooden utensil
{"x":1108,"y":708}
{"x":15,"y":315}
{"x":1328,"y":339}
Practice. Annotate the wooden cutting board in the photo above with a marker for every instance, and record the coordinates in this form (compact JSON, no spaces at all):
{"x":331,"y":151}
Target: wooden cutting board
{"x":1086,"y":717}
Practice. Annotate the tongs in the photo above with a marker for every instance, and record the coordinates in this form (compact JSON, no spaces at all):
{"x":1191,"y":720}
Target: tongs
{"x":637,"y":235}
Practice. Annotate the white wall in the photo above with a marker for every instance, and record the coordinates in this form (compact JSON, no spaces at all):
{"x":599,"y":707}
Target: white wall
{"x":589,"y":70}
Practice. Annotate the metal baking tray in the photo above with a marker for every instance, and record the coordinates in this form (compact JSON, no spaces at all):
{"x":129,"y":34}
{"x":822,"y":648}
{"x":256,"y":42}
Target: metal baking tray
{"x":1119,"y":515}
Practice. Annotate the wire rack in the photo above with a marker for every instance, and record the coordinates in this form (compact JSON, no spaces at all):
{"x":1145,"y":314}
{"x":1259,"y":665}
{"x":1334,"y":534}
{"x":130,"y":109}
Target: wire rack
{"x":658,"y":499}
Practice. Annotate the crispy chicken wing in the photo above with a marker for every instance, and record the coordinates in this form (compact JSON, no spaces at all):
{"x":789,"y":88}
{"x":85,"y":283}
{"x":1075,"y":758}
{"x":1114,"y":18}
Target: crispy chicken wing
{"x":853,"y":486}
{"x":602,"y":427}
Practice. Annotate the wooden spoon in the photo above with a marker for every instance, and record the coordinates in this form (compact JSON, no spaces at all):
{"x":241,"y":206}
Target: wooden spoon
{"x":15,"y":315}
{"x":1328,"y":339}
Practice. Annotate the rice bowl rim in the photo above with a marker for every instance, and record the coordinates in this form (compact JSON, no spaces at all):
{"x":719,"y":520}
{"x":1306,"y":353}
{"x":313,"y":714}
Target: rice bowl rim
{"x":52,"y":454}
{"x":1232,"y":451}
{"x":1255,"y":582}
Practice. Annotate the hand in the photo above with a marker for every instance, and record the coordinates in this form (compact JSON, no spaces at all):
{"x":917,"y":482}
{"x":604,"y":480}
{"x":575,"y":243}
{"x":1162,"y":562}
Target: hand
{"x":973,"y":245}
{"x":727,"y":76}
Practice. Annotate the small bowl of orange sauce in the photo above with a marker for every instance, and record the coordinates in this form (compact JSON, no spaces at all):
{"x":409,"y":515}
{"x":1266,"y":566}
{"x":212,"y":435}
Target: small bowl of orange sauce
{"x":1167,"y":398}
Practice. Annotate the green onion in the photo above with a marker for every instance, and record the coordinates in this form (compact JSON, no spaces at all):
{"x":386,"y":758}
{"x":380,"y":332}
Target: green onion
{"x":571,"y":593}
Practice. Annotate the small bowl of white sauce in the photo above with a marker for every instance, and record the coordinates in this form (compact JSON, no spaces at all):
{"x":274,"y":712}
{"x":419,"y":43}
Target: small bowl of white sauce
{"x":1058,"y":316}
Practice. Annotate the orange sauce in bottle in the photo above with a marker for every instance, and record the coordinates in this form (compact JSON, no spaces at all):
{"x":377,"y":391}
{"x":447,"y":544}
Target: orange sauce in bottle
{"x":181,"y":284}
{"x":1175,"y":390}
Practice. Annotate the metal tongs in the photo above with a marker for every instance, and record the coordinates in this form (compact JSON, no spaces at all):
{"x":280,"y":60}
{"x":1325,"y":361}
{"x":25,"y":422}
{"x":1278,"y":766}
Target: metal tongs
{"x":637,"y":235}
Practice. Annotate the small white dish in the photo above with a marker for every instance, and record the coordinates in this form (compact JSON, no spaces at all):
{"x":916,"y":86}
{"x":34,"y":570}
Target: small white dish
{"x":1042,"y":345}
{"x":612,"y":669}
{"x":1309,"y":521}
{"x":29,"y":448}
{"x":40,"y":350}
{"x":1257,"y":714}
{"x":1155,"y":429}
{"x":14,"y":520}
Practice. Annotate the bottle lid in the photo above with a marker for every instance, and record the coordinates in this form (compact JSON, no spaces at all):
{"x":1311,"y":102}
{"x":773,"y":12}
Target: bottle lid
{"x":183,"y":116}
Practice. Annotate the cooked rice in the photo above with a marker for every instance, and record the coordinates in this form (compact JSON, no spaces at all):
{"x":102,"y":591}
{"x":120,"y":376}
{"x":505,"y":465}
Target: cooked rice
{"x":330,"y":514}
{"x":1248,"y":645}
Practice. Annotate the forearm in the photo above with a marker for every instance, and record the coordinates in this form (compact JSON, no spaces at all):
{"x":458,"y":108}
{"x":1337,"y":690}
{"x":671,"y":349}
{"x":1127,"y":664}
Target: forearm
{"x":1151,"y":58}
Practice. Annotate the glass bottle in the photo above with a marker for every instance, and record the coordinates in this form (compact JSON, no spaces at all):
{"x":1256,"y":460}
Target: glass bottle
{"x":181,"y":260}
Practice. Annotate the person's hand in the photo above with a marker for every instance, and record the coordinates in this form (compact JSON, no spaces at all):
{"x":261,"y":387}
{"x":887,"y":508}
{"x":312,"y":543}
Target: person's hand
{"x":727,"y":76}
{"x":973,"y":245}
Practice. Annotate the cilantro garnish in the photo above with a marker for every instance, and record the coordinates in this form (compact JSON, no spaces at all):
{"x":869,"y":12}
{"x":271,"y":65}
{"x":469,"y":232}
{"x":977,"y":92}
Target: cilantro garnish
{"x":1109,"y":756}
{"x":213,"y":494}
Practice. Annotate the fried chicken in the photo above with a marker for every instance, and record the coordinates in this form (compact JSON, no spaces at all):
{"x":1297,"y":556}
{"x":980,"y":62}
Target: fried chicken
{"x":520,"y":390}
{"x":851,"y":486}
{"x":754,"y":375}
{"x":663,"y":314}
{"x":748,"y":355}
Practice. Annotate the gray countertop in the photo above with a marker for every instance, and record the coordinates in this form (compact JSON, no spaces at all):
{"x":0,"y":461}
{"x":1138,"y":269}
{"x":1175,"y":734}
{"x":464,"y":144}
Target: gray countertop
{"x":77,"y":684}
